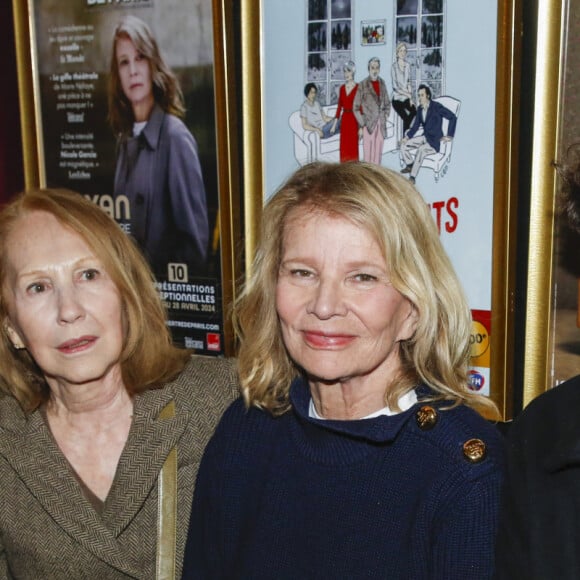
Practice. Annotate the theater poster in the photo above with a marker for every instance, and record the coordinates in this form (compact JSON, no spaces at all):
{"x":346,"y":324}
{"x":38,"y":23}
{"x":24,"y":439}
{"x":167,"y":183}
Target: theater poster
{"x":455,"y":58}
{"x":123,"y":101}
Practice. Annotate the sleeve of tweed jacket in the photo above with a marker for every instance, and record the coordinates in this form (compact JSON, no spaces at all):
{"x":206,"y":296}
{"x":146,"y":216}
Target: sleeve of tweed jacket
{"x":3,"y":562}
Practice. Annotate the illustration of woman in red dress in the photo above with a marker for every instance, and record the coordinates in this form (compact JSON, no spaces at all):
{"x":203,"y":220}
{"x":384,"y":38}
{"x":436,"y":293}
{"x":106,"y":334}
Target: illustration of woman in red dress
{"x":349,"y":135}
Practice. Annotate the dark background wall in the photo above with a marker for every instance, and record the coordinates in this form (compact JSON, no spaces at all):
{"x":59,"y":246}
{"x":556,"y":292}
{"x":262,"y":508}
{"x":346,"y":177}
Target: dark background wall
{"x":11,"y":170}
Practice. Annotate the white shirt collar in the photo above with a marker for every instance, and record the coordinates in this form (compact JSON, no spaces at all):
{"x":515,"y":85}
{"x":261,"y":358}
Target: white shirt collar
{"x":405,"y":402}
{"x":138,"y":127}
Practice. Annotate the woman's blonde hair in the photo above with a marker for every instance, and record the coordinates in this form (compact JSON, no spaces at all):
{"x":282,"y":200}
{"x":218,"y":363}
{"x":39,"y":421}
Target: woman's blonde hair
{"x":148,"y":358}
{"x":391,"y":209}
{"x":166,"y":90}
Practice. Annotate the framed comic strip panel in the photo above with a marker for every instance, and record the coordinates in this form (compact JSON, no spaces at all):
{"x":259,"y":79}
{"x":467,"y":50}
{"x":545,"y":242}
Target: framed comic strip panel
{"x":552,"y":321}
{"x":469,"y":187}
{"x":169,"y":180}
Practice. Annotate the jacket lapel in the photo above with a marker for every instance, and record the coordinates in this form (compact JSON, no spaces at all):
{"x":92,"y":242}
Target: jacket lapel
{"x":41,"y":466}
{"x":150,"y":441}
{"x":152,"y":131}
{"x":372,"y":91}
{"x":35,"y":456}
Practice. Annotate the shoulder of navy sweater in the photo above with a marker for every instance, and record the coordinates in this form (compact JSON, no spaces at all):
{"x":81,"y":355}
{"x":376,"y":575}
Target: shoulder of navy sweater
{"x":238,"y":418}
{"x":458,"y":429}
{"x":244,"y":435}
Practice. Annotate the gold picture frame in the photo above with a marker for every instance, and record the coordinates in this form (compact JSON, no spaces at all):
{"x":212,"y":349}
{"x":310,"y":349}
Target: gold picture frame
{"x":552,"y":351}
{"x":219,"y":131}
{"x":256,"y":146}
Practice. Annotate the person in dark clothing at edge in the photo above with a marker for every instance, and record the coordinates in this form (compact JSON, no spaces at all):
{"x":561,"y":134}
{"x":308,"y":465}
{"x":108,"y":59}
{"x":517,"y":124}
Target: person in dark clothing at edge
{"x":539,"y":537}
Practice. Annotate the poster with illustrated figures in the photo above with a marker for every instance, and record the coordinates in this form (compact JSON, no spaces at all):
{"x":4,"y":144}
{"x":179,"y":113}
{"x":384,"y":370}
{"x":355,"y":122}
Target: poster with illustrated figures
{"x":126,"y":106}
{"x":407,"y":84}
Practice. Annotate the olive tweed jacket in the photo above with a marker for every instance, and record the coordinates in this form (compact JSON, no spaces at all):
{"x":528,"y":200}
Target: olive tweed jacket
{"x":49,"y":530}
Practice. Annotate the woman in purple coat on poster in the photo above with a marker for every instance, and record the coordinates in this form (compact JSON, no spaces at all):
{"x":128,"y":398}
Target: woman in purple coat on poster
{"x":158,"y":168}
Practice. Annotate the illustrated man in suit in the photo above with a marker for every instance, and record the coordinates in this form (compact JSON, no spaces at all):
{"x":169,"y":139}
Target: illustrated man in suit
{"x":430,"y":116}
{"x":371,"y":109}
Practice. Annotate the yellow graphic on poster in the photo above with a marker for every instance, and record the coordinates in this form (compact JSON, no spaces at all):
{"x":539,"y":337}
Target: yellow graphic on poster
{"x":480,"y":351}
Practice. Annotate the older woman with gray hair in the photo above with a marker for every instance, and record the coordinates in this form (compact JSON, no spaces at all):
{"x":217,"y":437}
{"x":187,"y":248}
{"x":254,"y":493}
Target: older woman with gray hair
{"x":349,"y":133}
{"x":357,"y":449}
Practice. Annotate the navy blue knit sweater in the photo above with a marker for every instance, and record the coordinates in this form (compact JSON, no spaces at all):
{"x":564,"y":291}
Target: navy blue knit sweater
{"x":296,"y":498}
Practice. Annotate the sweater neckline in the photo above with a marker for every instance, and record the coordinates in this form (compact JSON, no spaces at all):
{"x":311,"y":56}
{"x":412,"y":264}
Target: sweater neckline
{"x":331,"y":441}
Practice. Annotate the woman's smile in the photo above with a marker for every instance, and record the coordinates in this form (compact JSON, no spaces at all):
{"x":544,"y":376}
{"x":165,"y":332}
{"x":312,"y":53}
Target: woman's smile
{"x":327,"y":340}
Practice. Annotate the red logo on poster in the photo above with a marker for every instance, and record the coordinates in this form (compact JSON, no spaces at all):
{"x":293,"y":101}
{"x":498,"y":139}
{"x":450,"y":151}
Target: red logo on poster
{"x":213,"y":341}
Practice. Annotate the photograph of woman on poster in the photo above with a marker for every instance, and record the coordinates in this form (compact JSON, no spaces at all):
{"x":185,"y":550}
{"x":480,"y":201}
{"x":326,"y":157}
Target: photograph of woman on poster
{"x":157,"y":167}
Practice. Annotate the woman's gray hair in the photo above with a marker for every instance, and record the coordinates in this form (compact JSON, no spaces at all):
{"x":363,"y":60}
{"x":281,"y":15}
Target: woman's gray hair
{"x":349,"y":66}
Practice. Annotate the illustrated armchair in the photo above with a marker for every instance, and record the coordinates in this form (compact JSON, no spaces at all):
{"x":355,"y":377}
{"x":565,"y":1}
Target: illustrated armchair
{"x":438,"y":162}
{"x":308,"y":146}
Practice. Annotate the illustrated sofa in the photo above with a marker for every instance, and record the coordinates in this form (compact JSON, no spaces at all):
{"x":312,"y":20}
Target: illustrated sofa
{"x":308,"y":146}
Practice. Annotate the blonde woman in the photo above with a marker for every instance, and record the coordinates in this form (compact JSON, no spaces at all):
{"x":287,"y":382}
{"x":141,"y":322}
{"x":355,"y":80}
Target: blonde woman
{"x":357,"y":450}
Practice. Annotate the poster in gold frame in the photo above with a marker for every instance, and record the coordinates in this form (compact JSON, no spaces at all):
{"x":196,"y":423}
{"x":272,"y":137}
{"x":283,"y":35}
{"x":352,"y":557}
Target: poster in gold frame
{"x":257,"y":34}
{"x":63,"y":55}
